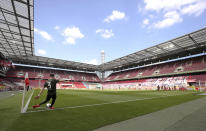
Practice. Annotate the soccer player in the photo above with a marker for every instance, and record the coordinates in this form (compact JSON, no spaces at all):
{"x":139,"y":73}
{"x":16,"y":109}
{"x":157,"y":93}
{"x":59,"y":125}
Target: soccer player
{"x":158,"y":88}
{"x":51,"y":86}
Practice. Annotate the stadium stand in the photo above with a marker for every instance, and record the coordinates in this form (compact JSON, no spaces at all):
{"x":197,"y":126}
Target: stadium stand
{"x":179,"y":67}
{"x":17,"y":74}
{"x":166,"y":83}
{"x":170,"y":75}
{"x":20,"y":71}
{"x":5,"y":65}
{"x":10,"y":85}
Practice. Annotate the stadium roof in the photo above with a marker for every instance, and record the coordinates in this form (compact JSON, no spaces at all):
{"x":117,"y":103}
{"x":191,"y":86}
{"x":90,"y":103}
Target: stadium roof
{"x":16,"y":27}
{"x":51,"y":62}
{"x":17,"y":37}
{"x":188,"y":44}
{"x":17,"y":43}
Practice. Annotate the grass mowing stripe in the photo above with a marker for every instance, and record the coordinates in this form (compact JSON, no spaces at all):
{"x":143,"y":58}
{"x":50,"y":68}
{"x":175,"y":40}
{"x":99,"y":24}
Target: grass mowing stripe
{"x":84,"y":119}
{"x":116,"y":102}
{"x":9,"y":110}
{"x":113,"y":96}
{"x":90,"y":105}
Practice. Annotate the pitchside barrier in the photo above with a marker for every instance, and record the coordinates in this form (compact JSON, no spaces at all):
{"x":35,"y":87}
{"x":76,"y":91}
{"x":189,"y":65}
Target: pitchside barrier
{"x":189,"y":88}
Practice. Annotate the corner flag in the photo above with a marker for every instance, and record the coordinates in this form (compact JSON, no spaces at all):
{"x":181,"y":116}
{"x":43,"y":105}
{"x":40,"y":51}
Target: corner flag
{"x":26,"y":84}
{"x":27,"y":81}
{"x":24,"y":106}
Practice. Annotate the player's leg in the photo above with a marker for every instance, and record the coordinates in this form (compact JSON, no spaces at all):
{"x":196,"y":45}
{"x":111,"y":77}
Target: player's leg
{"x":53,"y":101}
{"x":27,"y":88}
{"x":47,"y":99}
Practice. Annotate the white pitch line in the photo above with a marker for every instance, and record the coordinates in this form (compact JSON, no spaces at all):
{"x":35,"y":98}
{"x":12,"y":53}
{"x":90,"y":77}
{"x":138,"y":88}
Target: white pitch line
{"x":27,"y":104}
{"x":72,"y":107}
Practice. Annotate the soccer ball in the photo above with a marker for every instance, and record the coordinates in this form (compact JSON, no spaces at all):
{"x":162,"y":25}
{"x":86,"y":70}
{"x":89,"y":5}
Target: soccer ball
{"x":48,"y":105}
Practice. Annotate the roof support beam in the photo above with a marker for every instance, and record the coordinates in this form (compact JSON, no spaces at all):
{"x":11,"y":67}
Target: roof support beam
{"x":11,"y":13}
{"x":30,"y":31}
{"x":18,"y":25}
{"x":193,"y":40}
{"x":10,"y":32}
{"x":177,"y":45}
{"x":12,"y":24}
{"x":4,"y":48}
{"x":17,"y":40}
{"x":7,"y":42}
{"x":15,"y":33}
{"x":180,"y":47}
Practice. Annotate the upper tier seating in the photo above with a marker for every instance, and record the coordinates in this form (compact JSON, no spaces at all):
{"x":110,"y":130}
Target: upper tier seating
{"x":187,"y":65}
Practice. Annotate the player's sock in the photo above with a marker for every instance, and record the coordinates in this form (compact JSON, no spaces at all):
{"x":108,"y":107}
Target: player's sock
{"x":35,"y":106}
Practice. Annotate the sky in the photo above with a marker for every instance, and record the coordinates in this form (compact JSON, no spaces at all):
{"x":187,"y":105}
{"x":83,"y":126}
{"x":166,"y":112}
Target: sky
{"x":78,"y":30}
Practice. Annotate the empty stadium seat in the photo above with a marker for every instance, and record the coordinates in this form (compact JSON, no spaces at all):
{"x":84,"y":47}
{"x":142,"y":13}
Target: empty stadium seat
{"x":187,"y":65}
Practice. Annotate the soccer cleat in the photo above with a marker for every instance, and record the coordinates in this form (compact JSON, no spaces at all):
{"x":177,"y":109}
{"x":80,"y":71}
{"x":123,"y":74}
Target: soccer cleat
{"x":52,"y":108}
{"x":35,"y":106}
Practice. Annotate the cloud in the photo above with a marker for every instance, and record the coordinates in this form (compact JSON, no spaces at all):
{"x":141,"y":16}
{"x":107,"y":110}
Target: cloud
{"x":71,"y":34}
{"x":146,"y":21}
{"x":165,"y":5}
{"x":116,"y":15}
{"x":196,"y":9}
{"x":93,"y":61}
{"x":41,"y":52}
{"x":56,"y":27}
{"x":105,"y":33}
{"x":44,"y":34}
{"x":170,"y":18}
{"x":69,"y":41}
{"x":170,"y":12}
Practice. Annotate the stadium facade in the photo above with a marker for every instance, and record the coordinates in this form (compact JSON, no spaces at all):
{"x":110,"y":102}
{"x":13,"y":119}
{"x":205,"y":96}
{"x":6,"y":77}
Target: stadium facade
{"x":179,"y":63}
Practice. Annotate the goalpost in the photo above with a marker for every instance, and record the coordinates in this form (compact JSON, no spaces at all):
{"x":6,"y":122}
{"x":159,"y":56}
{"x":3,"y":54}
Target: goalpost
{"x":26,"y":95}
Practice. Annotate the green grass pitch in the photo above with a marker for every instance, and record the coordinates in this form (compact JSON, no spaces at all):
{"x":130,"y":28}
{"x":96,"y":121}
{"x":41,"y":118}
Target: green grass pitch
{"x":83,"y":110}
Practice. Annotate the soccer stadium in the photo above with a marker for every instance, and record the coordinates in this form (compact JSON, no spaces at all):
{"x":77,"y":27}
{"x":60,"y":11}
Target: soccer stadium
{"x":158,"y":88}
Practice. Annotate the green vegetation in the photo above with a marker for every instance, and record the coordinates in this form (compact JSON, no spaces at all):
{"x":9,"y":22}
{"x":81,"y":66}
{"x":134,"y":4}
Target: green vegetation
{"x":129,"y":104}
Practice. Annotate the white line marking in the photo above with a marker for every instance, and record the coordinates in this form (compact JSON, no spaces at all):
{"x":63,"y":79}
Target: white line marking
{"x":27,"y":104}
{"x":116,"y":102}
